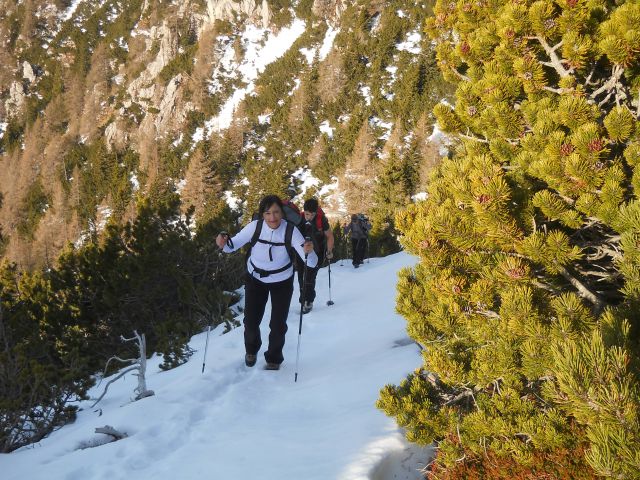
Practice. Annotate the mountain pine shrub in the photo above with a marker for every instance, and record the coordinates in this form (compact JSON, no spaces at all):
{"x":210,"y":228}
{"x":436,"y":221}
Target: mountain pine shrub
{"x":525,"y":299}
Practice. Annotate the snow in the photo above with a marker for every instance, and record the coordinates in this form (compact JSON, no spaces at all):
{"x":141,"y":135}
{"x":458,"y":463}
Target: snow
{"x":231,"y":200}
{"x":235,"y":422}
{"x":375,"y":122}
{"x":258,"y":53}
{"x":440,"y":138}
{"x":309,"y":54}
{"x":3,"y":128}
{"x":135,"y":183}
{"x":324,"y":49}
{"x":71,"y":10}
{"x":420,"y":196}
{"x":264,"y":119}
{"x":411,"y":44}
{"x":180,"y":186}
{"x":305,"y":181}
{"x":365,"y":91}
{"x":102,"y":217}
{"x":327,"y":43}
{"x":325,"y":127}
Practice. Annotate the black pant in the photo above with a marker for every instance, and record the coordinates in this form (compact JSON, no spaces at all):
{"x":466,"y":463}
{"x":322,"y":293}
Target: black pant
{"x":359,"y":246}
{"x":312,"y":273}
{"x":255,"y":301}
{"x":310,"y":288}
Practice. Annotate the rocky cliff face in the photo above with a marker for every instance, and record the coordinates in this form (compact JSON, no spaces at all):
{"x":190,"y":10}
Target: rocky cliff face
{"x":103,"y":103}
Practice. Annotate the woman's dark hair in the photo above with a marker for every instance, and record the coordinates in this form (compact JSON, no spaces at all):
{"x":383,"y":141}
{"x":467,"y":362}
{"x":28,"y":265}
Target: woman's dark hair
{"x":310,"y":205}
{"x":267,"y":202}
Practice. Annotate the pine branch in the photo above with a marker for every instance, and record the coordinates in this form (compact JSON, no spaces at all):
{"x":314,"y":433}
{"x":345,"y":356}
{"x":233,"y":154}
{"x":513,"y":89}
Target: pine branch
{"x":559,"y":91}
{"x":472,"y":138}
{"x":460,"y":75}
{"x":610,"y":85}
{"x":556,"y":61}
{"x":583,"y":291}
{"x":487,"y":313}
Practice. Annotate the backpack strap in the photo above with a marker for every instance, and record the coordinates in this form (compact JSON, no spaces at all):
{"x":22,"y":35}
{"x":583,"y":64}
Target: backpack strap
{"x":256,"y":234}
{"x":287,"y":244}
{"x":319,"y":216}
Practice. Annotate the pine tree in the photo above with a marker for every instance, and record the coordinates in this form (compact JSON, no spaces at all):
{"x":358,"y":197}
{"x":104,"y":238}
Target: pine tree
{"x":526,"y":296}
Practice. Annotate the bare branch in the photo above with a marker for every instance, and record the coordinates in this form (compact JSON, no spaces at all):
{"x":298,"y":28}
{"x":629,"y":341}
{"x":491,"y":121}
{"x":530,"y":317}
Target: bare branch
{"x":106,"y":387}
{"x":475,"y":139}
{"x":460,"y":75}
{"x":583,"y":291}
{"x":610,"y":85}
{"x":559,"y":91}
{"x":109,"y":430}
{"x":556,"y":61}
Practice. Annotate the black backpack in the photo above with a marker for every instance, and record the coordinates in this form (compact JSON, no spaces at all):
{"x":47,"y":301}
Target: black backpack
{"x":287,"y":244}
{"x":364,"y":223}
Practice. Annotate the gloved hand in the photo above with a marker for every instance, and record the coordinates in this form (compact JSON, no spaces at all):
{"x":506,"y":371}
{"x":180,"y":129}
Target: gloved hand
{"x":329,"y":254}
{"x":222,"y":239}
{"x":308,"y":246}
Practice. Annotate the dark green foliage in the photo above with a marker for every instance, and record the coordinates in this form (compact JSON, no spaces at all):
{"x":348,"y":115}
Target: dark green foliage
{"x":275,"y":82}
{"x":393,"y":190}
{"x":281,"y":11}
{"x":339,"y":150}
{"x":32,"y":209}
{"x":182,"y":63}
{"x":303,"y":9}
{"x":41,"y":370}
{"x":12,"y":137}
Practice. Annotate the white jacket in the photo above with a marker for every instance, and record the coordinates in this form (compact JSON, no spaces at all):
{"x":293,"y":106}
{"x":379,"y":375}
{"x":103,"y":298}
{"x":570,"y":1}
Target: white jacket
{"x":260,"y":253}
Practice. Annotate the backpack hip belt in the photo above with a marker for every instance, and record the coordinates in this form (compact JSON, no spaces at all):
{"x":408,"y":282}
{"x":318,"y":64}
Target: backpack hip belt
{"x":265,"y":273}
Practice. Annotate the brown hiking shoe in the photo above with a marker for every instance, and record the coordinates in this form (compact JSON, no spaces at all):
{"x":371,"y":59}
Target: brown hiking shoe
{"x":250,"y":360}
{"x":272,"y":366}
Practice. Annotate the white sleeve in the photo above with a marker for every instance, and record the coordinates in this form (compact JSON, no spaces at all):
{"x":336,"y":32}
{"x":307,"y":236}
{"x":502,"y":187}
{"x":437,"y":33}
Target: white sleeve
{"x":297,"y":240}
{"x":242,"y":237}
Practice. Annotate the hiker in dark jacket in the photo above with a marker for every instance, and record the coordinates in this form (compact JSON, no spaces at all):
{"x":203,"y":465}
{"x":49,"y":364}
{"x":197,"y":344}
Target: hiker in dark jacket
{"x":316,"y":227}
{"x":269,"y":272}
{"x":359,"y":230}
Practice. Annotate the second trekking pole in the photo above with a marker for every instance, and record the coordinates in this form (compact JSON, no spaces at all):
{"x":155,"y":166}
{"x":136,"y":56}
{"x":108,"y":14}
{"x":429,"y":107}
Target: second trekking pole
{"x":329,"y":302}
{"x":206,"y":346}
{"x":304,"y":289}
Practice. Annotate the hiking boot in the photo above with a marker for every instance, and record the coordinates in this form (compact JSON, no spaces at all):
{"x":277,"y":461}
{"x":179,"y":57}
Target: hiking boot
{"x":306,"y":307}
{"x":250,"y":360}
{"x":272,"y":366}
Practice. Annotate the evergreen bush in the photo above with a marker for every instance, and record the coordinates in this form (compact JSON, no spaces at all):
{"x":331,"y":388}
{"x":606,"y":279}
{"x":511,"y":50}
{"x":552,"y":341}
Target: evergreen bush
{"x":526,"y":297}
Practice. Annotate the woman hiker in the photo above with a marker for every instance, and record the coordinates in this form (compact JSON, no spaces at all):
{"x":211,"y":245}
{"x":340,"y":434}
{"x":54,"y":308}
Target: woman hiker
{"x":269,"y":272}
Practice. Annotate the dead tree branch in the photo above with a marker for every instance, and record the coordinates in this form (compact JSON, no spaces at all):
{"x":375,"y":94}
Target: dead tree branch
{"x":139,"y":364}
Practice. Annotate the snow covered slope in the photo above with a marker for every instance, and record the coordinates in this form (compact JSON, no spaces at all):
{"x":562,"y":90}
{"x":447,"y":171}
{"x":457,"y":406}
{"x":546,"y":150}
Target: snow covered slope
{"x":234,"y":422}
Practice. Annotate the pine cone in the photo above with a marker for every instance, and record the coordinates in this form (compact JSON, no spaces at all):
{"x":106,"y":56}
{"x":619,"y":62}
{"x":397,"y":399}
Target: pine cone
{"x":566,"y":149}
{"x":596,"y":145}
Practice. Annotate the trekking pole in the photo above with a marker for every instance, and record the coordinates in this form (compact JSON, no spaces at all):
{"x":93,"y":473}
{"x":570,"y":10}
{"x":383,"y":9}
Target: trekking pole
{"x":368,"y":250}
{"x":330,"y":302}
{"x":206,"y":346}
{"x":304,"y":288}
